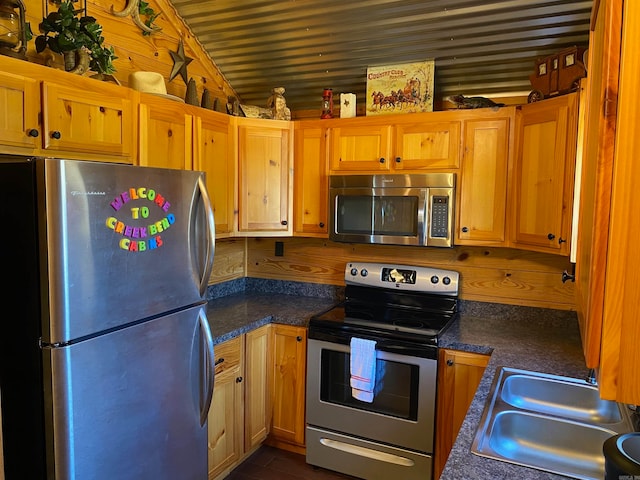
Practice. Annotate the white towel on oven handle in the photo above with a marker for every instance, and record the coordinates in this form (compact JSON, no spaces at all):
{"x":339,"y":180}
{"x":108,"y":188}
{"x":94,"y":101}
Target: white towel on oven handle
{"x":363,"y":369}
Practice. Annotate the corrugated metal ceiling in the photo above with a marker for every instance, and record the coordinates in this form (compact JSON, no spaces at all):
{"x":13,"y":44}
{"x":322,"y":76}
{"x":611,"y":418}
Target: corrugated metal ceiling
{"x":480,"y":47}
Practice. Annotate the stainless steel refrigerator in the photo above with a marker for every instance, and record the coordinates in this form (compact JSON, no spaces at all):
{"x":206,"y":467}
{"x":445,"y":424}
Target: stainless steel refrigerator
{"x":106,"y":355}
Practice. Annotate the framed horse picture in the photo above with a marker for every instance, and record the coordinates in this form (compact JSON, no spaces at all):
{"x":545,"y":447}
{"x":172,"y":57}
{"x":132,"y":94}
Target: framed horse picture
{"x":404,"y":88}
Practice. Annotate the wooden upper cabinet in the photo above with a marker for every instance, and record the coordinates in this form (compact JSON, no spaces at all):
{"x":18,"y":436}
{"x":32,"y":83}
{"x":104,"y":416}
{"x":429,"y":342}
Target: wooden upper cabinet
{"x":166,"y":133}
{"x":214,"y":154}
{"x":311,"y":185}
{"x":20,"y":130}
{"x":265,"y":183}
{"x":427,"y":145}
{"x":97,"y":121}
{"x":482,"y":182}
{"x":361,"y":148}
{"x":543,"y":175}
{"x":51,"y":112}
{"x":396,"y":143}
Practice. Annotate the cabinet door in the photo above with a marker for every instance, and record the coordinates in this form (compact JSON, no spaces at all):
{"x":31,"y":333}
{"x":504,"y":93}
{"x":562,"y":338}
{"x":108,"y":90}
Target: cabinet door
{"x":482,"y":184}
{"x":427,"y":145}
{"x":166,"y":134}
{"x":258,"y":359}
{"x":365,"y":148}
{"x":19,"y":127}
{"x":289,"y":372}
{"x":1,"y":447}
{"x":311,"y":187}
{"x":620,"y":357}
{"x":458,"y":379}
{"x":214,"y":154}
{"x":265,"y":184}
{"x":99,"y":122}
{"x":543,"y":175}
{"x":225,"y":416}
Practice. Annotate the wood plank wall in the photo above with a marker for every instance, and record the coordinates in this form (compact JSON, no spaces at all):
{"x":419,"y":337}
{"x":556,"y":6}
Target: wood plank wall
{"x":229,"y":260}
{"x":137,"y":52}
{"x":499,"y":275}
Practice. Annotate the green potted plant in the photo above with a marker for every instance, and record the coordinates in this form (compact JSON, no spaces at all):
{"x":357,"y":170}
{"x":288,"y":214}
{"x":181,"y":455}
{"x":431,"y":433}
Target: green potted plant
{"x":78,"y":38}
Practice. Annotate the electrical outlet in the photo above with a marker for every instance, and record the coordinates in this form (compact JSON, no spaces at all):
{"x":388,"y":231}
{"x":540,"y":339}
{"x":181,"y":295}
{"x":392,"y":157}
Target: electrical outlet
{"x":279,"y":249}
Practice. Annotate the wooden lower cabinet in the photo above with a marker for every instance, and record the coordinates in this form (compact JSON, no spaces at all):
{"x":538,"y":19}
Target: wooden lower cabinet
{"x":459,"y":375}
{"x":258,"y":395}
{"x":258,"y":374}
{"x":289,"y":382}
{"x":240,"y":410}
{"x":227,"y":408}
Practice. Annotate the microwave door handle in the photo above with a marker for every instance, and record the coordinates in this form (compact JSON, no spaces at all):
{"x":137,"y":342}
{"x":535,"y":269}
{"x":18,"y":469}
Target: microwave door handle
{"x":423,"y":216}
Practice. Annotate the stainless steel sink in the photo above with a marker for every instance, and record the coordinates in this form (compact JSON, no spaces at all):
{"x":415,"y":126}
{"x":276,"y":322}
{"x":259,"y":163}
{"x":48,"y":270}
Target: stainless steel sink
{"x":560,"y":396}
{"x":551,"y":423}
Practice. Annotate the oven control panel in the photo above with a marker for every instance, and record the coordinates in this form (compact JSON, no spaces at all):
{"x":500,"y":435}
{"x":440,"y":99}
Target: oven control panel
{"x":403,"y":277}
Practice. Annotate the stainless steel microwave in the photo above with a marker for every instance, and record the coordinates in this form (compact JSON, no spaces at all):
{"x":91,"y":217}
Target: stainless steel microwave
{"x":414,"y":209}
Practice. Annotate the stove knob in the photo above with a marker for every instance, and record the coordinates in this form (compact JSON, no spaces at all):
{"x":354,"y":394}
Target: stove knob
{"x":364,"y":272}
{"x":354,"y":272}
{"x":434,"y":279}
{"x":446,"y":280}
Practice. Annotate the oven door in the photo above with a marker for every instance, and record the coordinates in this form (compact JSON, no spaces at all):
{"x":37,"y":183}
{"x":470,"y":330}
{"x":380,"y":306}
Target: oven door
{"x":402,"y":413}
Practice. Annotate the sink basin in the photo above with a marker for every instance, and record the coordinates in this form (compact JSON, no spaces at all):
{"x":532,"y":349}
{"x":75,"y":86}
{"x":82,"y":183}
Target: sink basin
{"x":551,"y":423}
{"x":560,"y":446}
{"x":564,"y":397}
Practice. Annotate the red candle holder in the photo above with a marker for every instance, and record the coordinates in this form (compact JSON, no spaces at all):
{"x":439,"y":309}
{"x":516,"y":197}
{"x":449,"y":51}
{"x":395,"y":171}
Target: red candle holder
{"x":327,"y":103}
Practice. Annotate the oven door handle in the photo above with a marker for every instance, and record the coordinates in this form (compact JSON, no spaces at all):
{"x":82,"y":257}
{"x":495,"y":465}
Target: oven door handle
{"x":367,"y":452}
{"x":389,"y":345}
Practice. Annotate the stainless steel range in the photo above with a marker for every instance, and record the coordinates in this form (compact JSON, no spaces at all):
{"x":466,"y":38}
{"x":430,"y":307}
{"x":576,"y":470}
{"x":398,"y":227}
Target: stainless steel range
{"x":390,"y":433}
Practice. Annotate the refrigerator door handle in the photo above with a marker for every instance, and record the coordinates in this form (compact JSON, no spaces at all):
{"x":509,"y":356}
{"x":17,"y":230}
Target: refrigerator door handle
{"x":211,"y":237}
{"x":209,"y":368}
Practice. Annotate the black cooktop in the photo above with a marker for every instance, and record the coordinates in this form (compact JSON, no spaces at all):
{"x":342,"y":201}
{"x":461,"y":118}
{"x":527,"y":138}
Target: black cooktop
{"x":411,"y":304}
{"x":380,"y":312}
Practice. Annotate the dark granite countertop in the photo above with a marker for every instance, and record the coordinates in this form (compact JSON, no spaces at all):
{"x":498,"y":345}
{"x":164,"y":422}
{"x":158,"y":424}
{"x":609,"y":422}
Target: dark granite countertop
{"x":242,"y":312}
{"x":536,"y":339}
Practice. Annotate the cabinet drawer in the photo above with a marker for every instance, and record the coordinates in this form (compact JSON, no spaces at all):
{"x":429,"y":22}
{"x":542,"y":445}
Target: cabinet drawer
{"x":227,"y":355}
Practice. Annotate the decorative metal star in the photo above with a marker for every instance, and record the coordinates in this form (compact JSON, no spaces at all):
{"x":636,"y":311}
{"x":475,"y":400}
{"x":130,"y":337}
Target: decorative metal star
{"x":180,"y":62}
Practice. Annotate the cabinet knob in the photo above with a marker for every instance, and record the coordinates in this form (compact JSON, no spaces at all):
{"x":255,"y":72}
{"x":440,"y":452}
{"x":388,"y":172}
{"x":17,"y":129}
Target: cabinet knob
{"x":561,"y":240}
{"x":218,"y":362}
{"x":238,"y":379}
{"x":398,"y":159}
{"x":321,"y":224}
{"x":56,"y":134}
{"x":381,"y":159}
{"x":450,"y":363}
{"x":283,"y":222}
{"x":567,"y":276}
{"x":33,"y":132}
{"x":551,"y":236}
{"x":298,"y":338}
{"x":465,"y":229}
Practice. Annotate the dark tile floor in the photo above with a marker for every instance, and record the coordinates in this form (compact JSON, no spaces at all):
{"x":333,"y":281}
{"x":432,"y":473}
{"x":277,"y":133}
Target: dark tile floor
{"x":269,"y":463}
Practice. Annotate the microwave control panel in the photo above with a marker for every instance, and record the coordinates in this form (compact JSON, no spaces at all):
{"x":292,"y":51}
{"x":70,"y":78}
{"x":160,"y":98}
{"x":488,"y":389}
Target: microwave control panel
{"x":439,"y":216}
